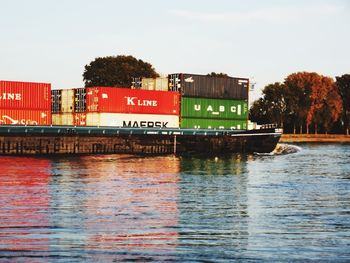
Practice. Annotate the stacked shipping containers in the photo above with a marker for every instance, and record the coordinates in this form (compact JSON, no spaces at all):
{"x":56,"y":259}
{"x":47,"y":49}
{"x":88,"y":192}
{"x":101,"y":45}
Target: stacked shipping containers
{"x":211,"y":102}
{"x":25,"y":103}
{"x":124,"y":107}
{"x":68,"y":107}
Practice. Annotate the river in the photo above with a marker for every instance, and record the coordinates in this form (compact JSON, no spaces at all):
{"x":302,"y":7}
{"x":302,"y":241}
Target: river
{"x":278,"y":207}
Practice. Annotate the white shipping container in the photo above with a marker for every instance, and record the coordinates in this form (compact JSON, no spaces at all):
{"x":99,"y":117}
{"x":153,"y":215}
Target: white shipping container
{"x":62,"y":119}
{"x":162,"y":84}
{"x":67,"y":100}
{"x":148,"y":84}
{"x":132,"y":120}
{"x":155,"y":84}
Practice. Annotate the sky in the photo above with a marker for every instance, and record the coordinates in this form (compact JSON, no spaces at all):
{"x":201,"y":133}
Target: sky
{"x":52,"y":40}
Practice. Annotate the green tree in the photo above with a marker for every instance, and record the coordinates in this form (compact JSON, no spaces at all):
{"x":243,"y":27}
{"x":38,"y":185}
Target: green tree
{"x":271,"y":108}
{"x":116,"y":71}
{"x":343,"y":86}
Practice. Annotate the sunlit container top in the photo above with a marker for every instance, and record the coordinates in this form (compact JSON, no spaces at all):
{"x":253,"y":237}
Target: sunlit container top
{"x":192,"y":85}
{"x":25,"y":95}
{"x":125,"y":100}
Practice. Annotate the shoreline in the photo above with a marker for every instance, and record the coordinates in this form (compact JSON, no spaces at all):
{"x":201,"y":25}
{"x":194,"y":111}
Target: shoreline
{"x":327,"y":138}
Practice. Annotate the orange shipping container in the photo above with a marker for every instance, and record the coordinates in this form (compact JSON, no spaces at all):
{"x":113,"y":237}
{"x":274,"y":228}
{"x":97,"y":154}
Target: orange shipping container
{"x":25,"y":117}
{"x":25,"y":95}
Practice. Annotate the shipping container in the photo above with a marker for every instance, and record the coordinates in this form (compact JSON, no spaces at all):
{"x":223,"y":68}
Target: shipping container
{"x":192,"y":85}
{"x":74,"y":119}
{"x":56,"y":102}
{"x":124,"y":100}
{"x":194,"y":123}
{"x":25,"y":95}
{"x":25,"y":117}
{"x":67,"y":100}
{"x":214,"y":108}
{"x":148,"y":84}
{"x":155,"y":84}
{"x":62,"y":119}
{"x":132,"y":120}
{"x":136,"y":83}
{"x":162,"y":84}
{"x":80,"y":100}
{"x":79,"y":119}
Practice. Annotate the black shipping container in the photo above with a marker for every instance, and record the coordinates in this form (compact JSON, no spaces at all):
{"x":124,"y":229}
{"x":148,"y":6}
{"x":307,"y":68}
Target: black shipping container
{"x":80,"y":100}
{"x":192,"y":85}
{"x":56,"y":97}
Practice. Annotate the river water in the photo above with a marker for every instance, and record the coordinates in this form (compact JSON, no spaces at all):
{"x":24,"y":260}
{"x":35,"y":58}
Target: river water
{"x":280,"y":207}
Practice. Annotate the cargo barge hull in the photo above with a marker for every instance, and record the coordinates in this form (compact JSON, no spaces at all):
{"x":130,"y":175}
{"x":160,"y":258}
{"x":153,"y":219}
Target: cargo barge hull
{"x":60,"y":140}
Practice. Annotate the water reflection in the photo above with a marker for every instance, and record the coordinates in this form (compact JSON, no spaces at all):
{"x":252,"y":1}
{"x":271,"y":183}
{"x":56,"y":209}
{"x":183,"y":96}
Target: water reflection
{"x":213,"y":209}
{"x":123,"y":205}
{"x":126,"y":208}
{"x":24,"y":202}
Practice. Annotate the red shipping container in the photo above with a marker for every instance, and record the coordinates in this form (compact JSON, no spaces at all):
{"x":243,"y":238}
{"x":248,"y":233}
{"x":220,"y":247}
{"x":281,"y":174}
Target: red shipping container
{"x":25,"y":95}
{"x":124,"y":100}
{"x":25,"y":117}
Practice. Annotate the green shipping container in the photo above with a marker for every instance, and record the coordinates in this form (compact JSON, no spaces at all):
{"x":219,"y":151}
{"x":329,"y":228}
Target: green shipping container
{"x":214,"y":108}
{"x":193,"y":123}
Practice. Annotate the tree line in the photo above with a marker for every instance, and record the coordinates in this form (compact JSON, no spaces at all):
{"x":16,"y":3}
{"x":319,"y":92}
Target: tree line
{"x":306,"y":102}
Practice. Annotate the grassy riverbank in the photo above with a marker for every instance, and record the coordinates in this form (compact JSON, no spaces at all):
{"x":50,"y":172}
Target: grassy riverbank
{"x":337,"y":138}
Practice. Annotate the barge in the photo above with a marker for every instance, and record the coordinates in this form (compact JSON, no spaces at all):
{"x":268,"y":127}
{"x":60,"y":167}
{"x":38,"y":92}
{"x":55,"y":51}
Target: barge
{"x":63,"y":140}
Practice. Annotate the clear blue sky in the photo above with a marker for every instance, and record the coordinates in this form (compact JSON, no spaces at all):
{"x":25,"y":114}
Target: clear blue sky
{"x":51,"y":41}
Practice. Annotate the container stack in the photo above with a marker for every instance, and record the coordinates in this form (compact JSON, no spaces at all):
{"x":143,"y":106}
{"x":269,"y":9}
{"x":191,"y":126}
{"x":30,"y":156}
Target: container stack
{"x":68,"y":107}
{"x":25,"y":103}
{"x":211,"y":102}
{"x":125,"y":107}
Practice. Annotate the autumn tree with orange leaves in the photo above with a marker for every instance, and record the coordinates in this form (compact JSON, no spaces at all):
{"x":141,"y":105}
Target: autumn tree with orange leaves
{"x":310,"y":102}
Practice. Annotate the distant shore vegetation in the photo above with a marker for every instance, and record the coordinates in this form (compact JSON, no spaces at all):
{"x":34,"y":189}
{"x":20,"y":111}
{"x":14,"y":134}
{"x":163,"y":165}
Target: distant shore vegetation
{"x":304,"y":103}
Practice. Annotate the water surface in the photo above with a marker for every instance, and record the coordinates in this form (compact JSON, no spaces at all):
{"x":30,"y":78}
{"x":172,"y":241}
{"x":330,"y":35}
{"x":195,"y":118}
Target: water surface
{"x":127,"y":208}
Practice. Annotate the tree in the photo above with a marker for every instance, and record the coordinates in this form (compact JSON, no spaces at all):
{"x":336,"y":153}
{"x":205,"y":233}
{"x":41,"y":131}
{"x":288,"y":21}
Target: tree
{"x":311,"y":99}
{"x":343,"y":86}
{"x":271,"y":107}
{"x":116,"y":71}
{"x":304,"y":100}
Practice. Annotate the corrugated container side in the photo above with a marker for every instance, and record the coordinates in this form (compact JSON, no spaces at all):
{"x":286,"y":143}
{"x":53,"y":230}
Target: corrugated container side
{"x":56,"y":102}
{"x":162,"y":84}
{"x":62,"y":119}
{"x":80,"y":100}
{"x":25,"y":95}
{"x":148,"y":84}
{"x":193,"y":123}
{"x":132,"y":120}
{"x":155,"y":84}
{"x":214,"y":108}
{"x":192,"y":85}
{"x":67,"y":100}
{"x":123,"y":100}
{"x":25,"y":117}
